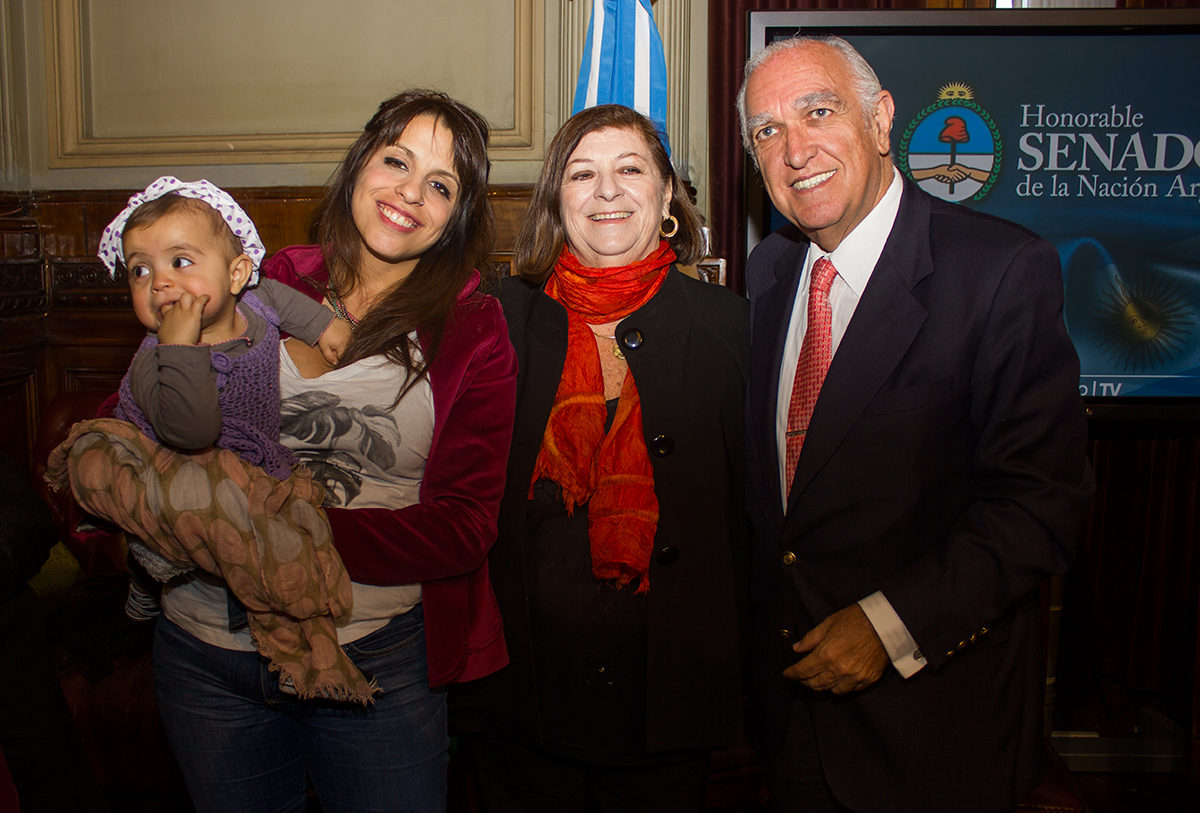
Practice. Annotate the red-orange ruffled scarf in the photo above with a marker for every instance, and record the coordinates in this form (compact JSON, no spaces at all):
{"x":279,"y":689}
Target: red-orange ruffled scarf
{"x":611,"y":473}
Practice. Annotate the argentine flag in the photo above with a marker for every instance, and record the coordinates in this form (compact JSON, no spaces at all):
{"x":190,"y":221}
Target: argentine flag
{"x":623,"y":62}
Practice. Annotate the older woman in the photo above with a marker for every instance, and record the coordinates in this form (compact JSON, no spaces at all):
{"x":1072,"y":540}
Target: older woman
{"x":409,"y":435}
{"x":621,"y":527}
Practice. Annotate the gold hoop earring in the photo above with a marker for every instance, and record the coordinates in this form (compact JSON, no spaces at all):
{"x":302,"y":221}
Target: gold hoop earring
{"x":674,"y":227}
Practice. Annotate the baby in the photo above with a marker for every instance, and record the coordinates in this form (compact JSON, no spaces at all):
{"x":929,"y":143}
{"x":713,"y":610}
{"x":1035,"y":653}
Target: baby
{"x":207,"y":372}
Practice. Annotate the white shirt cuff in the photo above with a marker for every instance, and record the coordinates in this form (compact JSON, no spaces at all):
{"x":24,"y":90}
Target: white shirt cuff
{"x":901,"y":648}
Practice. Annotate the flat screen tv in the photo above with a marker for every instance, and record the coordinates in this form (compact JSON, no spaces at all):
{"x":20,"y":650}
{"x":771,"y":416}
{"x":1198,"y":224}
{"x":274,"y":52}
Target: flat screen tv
{"x":1084,"y":126}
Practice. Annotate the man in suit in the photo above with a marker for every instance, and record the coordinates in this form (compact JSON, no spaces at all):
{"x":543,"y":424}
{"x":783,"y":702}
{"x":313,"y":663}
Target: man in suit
{"x":916,"y":462}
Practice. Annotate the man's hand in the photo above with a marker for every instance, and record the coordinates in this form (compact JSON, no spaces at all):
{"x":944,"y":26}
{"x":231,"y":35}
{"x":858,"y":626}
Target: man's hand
{"x":181,"y":320}
{"x":844,"y":654}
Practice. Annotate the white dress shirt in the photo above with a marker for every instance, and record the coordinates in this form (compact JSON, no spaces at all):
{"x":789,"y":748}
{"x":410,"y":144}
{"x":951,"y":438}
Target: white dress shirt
{"x":855,"y":259}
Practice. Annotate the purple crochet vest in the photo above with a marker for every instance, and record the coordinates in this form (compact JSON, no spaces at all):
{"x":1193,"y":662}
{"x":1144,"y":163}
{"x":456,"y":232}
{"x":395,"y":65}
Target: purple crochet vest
{"x":248,"y":392}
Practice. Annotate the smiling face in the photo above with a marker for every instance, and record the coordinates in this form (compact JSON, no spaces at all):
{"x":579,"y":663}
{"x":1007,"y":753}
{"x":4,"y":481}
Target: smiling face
{"x":182,"y":251}
{"x":404,"y":196}
{"x":824,"y":162}
{"x":613,"y":199}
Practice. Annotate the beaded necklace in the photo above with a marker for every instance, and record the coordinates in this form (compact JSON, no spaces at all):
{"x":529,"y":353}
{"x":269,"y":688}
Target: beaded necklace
{"x":339,"y":308}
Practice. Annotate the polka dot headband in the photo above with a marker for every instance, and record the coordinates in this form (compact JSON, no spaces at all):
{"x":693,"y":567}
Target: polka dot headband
{"x":112,"y":251}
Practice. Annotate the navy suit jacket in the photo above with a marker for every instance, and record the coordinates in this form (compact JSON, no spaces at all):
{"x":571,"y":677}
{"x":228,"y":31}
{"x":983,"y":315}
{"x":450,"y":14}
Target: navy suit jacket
{"x":945,"y":464}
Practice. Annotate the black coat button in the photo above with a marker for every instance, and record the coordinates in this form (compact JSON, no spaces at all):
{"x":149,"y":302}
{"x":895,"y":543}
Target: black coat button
{"x":632,"y":339}
{"x":667,"y":554}
{"x":662,"y":445}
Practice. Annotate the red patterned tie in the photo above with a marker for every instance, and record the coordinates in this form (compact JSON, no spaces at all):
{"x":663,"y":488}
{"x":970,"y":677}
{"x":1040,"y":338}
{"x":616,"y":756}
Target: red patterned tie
{"x":815,"y":355}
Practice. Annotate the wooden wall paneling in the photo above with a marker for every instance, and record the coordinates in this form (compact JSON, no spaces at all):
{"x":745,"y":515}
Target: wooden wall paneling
{"x":90,"y":332}
{"x":89,"y":349}
{"x":18,"y":232}
{"x":510,"y":204}
{"x":71,"y":222}
{"x":19,"y":399}
{"x":22,"y":307}
{"x":282,"y":215}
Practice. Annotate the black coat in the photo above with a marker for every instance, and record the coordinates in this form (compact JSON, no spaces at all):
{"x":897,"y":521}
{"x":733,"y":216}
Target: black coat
{"x":945,"y":465}
{"x":688,"y":350}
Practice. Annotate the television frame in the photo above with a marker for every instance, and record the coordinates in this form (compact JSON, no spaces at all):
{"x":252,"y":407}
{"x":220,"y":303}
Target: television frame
{"x":1171,"y":413}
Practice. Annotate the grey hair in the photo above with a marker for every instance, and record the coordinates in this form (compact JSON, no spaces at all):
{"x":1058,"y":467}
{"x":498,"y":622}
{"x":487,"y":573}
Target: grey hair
{"x":862,"y":76}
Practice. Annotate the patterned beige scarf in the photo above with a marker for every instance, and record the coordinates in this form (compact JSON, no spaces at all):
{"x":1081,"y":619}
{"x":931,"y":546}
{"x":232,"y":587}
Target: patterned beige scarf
{"x":268,"y":539}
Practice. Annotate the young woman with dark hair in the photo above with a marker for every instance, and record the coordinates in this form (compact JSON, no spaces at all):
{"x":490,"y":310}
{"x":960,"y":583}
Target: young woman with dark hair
{"x":409,"y":436}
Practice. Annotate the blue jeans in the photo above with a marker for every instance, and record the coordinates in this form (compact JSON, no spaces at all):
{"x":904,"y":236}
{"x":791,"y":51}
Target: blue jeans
{"x":244,"y":746}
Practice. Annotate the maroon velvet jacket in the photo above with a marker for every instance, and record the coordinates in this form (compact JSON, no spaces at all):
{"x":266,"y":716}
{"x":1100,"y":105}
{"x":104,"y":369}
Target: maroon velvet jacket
{"x":443,"y":540}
